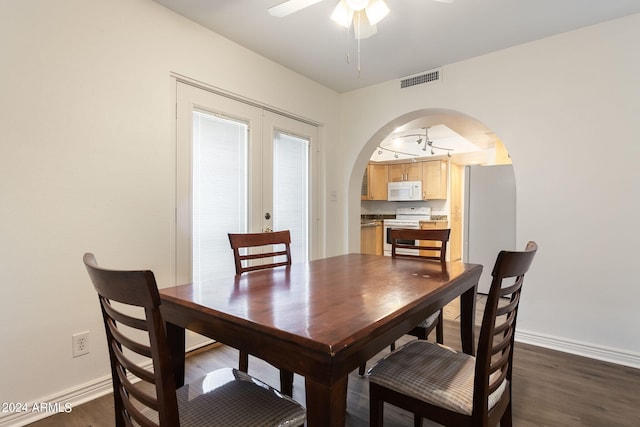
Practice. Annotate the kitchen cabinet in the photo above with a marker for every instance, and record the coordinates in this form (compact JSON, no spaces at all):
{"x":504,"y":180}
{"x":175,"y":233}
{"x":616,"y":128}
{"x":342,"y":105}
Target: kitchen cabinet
{"x":411,"y":171}
{"x":371,"y":238}
{"x":374,"y":182}
{"x":433,"y":225}
{"x":434,"y":179}
{"x":455,"y":215}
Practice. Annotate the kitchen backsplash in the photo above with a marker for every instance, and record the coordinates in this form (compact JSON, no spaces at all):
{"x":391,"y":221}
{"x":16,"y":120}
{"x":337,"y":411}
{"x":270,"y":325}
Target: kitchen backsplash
{"x":374,"y":217}
{"x":385,"y":209}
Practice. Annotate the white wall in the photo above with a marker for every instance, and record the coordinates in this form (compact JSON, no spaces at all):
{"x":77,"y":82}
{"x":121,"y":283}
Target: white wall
{"x":567,"y":109}
{"x":86,"y":164}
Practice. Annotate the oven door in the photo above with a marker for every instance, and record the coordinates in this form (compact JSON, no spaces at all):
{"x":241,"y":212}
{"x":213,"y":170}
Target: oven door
{"x":387,"y":240}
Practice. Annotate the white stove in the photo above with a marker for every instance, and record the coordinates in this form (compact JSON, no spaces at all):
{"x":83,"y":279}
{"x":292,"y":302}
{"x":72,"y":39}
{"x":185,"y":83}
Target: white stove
{"x":405,"y":218}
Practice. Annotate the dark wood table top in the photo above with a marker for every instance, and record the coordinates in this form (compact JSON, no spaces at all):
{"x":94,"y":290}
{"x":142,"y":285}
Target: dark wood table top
{"x":323,"y":318}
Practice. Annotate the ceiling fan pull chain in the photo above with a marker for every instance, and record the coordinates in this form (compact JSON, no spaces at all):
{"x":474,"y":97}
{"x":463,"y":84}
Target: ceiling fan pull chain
{"x":358,"y":39}
{"x":358,"y":58}
{"x":348,"y":45}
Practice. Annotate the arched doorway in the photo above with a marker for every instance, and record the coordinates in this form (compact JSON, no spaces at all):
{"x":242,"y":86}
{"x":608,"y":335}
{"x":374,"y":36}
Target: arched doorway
{"x":476,"y":198}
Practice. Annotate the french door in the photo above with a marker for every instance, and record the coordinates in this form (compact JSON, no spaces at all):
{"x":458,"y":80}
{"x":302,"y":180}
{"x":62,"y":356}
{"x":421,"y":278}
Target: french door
{"x":239,"y":168}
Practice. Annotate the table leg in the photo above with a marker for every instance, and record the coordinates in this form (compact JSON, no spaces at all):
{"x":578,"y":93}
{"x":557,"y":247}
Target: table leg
{"x":286,"y":382}
{"x":326,"y":404}
{"x":176,"y":342}
{"x":467,"y":320}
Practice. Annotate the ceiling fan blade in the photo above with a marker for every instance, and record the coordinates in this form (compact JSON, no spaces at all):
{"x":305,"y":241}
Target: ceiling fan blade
{"x":290,"y":6}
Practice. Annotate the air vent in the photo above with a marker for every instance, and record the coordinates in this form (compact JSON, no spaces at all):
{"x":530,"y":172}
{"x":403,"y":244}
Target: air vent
{"x":431,"y":76}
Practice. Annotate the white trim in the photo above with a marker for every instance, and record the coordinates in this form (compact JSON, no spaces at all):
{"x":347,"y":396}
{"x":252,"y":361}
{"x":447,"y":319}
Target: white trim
{"x":75,"y":396}
{"x":606,"y":354}
{"x":219,"y":91}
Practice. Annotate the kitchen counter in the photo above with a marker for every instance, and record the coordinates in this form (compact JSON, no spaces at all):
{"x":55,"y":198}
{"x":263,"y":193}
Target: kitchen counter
{"x":371,"y":224}
{"x":375,"y":217}
{"x":371,"y":219}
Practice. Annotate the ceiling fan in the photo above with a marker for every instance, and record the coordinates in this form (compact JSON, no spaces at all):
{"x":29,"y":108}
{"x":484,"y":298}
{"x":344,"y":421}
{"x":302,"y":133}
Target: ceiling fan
{"x":365,"y":13}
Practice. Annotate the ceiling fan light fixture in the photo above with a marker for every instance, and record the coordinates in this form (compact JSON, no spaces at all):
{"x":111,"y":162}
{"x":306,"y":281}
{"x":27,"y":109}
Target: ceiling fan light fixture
{"x":376,"y":10}
{"x":363,"y":28}
{"x":342,"y":14}
{"x":357,"y":4}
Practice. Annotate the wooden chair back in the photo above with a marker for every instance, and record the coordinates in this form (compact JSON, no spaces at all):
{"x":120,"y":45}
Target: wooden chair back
{"x":494,"y":356}
{"x":274,"y":245}
{"x":431,"y":243}
{"x":130,"y":304}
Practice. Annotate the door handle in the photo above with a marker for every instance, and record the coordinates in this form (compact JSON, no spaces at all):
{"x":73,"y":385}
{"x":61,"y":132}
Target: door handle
{"x":268,"y":230}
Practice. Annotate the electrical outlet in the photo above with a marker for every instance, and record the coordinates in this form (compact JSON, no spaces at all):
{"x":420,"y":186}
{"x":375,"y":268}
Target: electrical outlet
{"x":80,"y":343}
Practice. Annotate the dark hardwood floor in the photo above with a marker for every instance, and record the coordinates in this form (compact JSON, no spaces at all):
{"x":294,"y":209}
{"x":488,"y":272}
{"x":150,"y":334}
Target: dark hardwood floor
{"x":550,"y":388}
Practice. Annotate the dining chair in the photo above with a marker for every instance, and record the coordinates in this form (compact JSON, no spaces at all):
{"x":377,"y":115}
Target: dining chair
{"x":273,"y":245}
{"x":430,"y":245}
{"x":259,"y":251}
{"x":144,"y":385}
{"x":457,"y":389}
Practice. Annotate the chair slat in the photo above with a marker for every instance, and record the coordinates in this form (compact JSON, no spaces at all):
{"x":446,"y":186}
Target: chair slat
{"x":135,"y":391}
{"x":424,"y":240}
{"x":125,"y":319}
{"x":124,"y":340}
{"x":132,"y":367}
{"x":263,"y":242}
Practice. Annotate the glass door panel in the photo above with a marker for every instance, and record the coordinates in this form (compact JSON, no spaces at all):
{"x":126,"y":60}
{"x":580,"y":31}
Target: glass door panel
{"x":219,"y":191}
{"x":288,"y":160}
{"x":291,"y":191}
{"x":218,"y":169}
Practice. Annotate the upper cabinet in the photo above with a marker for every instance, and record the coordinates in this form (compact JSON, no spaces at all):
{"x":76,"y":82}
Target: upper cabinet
{"x":405,"y":172}
{"x":374,"y":182}
{"x":434,"y":179}
{"x":434,"y":175}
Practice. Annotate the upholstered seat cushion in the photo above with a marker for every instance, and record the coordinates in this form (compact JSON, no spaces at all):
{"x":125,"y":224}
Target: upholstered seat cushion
{"x":431,"y":373}
{"x":426,"y":323}
{"x":228,"y":397}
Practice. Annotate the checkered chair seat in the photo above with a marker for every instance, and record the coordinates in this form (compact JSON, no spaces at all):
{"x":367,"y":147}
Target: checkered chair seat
{"x":431,"y":373}
{"x":228,"y":397}
{"x":231,"y":398}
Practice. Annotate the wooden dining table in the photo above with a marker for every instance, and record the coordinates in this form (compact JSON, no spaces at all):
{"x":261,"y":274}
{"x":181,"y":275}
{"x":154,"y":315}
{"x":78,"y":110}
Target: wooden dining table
{"x":320,"y":319}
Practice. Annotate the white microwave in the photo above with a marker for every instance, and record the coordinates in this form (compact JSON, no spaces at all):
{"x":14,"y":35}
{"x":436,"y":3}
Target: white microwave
{"x":403,"y":191}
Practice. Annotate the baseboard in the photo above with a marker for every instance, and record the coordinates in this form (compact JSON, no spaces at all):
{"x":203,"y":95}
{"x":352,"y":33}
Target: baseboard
{"x":605,"y":354}
{"x":72,"y":397}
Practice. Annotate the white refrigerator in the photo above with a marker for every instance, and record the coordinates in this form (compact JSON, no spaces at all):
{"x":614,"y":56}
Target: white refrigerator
{"x":489,"y":216}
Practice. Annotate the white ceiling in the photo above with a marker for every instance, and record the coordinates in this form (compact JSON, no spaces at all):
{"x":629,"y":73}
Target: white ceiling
{"x":416,"y":36}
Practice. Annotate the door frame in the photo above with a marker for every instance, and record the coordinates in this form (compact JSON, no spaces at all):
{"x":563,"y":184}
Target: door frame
{"x":317,"y":239}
